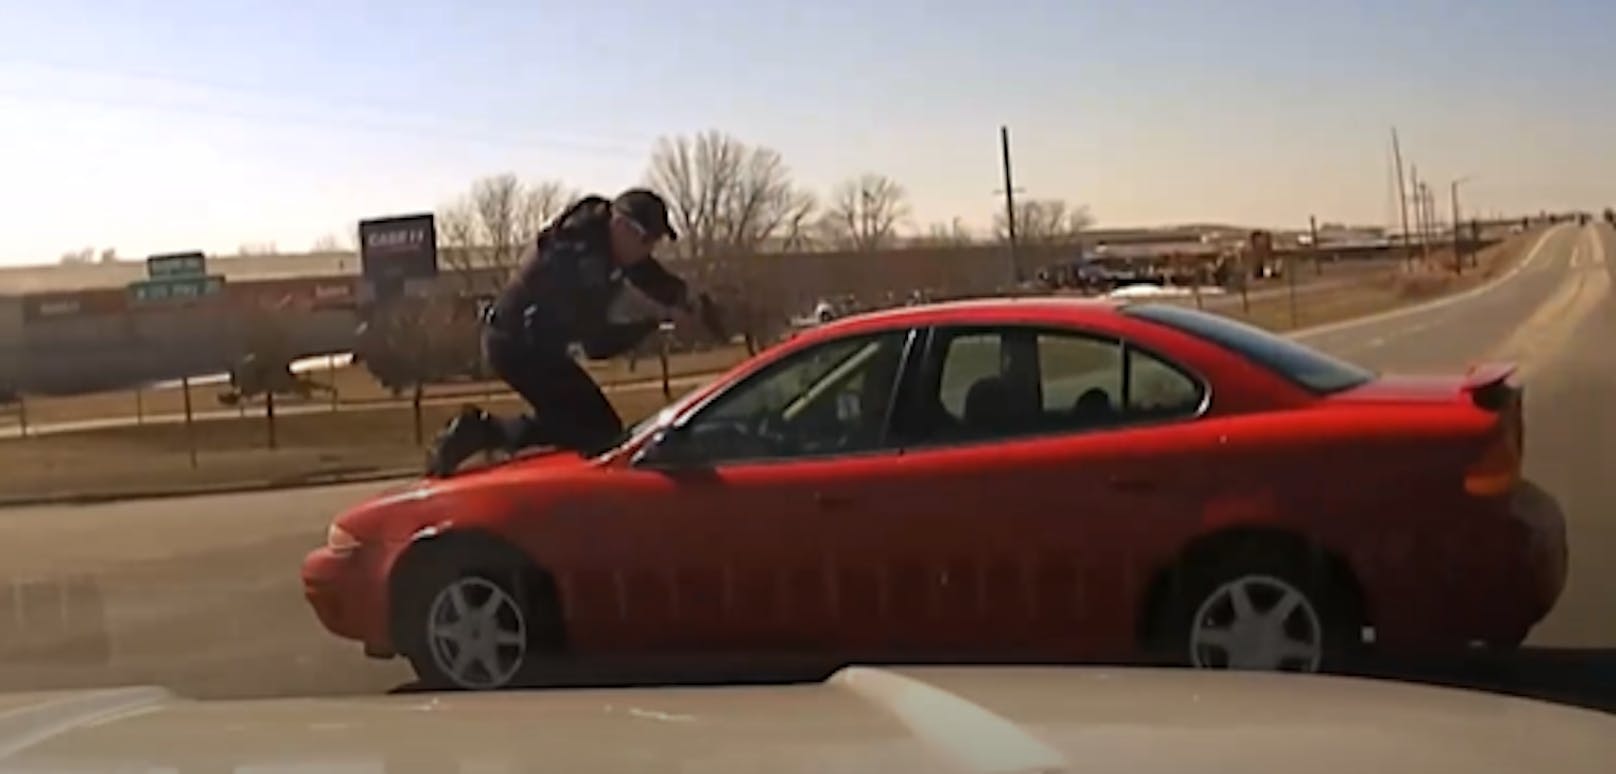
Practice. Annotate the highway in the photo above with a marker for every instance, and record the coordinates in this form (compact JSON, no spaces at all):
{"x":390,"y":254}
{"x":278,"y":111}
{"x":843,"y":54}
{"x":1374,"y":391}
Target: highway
{"x":201,"y":594}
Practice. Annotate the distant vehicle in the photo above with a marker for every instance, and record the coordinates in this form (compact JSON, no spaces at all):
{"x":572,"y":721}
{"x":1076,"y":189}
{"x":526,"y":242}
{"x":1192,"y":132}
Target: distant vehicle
{"x":1039,"y":479}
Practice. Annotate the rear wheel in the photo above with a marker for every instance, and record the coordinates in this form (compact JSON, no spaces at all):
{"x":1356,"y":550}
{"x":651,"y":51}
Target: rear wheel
{"x":1258,"y":607}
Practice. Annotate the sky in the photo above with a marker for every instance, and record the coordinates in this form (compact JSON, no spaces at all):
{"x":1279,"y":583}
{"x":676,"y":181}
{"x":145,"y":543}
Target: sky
{"x":158,"y":127}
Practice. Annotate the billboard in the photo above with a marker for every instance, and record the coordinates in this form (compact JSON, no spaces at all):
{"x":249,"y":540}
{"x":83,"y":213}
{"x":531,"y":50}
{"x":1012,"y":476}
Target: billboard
{"x":392,"y":250}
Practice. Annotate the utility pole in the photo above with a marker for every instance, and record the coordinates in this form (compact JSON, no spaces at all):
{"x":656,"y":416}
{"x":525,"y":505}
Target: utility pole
{"x":1430,"y":218}
{"x":1458,"y":255}
{"x":1418,"y":191}
{"x":1402,"y":196}
{"x":1009,"y":206}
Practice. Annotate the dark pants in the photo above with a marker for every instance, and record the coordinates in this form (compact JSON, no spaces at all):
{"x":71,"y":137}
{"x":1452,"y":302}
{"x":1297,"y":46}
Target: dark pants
{"x":570,"y":411}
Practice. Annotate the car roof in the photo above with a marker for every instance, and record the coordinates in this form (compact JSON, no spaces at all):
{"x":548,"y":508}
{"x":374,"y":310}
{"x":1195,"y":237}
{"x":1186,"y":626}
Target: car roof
{"x":996,"y":309}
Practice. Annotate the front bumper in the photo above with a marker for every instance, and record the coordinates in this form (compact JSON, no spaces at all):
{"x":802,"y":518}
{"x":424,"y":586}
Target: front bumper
{"x":348,"y":591}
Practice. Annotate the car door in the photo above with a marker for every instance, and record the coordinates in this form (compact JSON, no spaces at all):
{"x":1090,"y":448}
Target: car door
{"x":1034,"y":460}
{"x":736,"y":538}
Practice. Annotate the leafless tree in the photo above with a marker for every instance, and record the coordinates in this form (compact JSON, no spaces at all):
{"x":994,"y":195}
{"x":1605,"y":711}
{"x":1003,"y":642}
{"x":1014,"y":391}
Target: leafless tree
{"x":257,"y":248}
{"x":78,"y":257}
{"x":483,"y":233}
{"x":1045,"y":222}
{"x":541,"y":203}
{"x":727,"y":197}
{"x":954,"y":233}
{"x":330,"y":243}
{"x":865,"y":212}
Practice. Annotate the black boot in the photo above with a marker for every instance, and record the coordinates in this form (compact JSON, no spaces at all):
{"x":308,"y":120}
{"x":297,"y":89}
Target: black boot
{"x":471,"y":432}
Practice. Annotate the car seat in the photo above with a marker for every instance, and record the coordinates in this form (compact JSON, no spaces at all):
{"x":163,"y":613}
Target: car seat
{"x":989,"y":409}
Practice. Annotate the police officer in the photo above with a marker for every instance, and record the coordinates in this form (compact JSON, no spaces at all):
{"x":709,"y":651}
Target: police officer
{"x":558,"y":297}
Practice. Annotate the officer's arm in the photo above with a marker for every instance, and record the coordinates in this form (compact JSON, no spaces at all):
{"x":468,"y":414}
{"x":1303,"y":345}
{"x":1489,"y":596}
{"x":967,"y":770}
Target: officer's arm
{"x":657,"y":282}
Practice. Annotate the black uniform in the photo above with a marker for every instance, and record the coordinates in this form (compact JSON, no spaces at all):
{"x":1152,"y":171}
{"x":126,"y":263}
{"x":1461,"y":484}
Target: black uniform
{"x":559,"y":296}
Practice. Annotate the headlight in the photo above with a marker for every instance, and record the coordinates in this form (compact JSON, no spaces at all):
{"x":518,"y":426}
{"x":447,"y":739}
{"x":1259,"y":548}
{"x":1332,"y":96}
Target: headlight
{"x":337,"y":539}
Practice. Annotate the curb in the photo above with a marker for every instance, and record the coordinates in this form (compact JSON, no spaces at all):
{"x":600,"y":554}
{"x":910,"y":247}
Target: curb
{"x":233,"y":487}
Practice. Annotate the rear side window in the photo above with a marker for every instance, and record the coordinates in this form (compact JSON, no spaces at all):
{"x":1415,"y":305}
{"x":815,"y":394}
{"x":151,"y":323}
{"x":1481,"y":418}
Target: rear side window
{"x":1304,"y":365}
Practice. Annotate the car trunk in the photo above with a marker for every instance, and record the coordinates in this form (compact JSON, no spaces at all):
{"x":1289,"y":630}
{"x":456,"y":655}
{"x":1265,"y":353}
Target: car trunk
{"x":1490,"y":389}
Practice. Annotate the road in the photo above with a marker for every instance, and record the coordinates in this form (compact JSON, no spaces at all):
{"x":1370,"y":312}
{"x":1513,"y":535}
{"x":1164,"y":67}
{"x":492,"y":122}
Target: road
{"x":200,"y":594}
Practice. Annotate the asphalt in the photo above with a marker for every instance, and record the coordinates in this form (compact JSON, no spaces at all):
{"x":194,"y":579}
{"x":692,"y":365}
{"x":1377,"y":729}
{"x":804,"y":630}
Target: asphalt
{"x":200,"y":594}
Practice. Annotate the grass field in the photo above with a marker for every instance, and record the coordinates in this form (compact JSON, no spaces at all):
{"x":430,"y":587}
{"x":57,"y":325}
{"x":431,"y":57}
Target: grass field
{"x":360,"y":435}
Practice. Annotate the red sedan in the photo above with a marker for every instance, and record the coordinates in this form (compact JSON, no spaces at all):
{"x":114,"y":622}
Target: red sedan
{"x":995,"y":480}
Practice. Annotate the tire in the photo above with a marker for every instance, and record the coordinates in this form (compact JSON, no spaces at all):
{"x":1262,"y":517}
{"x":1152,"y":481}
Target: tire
{"x":471,"y":628}
{"x":1258,"y":605}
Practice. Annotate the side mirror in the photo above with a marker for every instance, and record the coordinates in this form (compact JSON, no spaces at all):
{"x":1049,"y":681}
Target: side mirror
{"x":668,"y":449}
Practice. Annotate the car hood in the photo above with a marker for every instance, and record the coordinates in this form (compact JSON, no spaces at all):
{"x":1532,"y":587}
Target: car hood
{"x":861,"y":719}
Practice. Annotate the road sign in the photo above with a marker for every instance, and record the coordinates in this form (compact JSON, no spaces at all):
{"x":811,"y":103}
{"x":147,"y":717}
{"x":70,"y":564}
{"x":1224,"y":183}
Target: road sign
{"x":167,"y":289}
{"x":392,"y":250}
{"x":175,"y":265}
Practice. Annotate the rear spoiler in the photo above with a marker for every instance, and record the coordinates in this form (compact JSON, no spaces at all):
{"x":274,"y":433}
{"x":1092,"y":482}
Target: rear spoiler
{"x":1491,"y":385}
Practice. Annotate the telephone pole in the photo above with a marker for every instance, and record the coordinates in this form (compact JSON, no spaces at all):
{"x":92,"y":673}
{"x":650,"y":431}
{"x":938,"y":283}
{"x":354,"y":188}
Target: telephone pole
{"x":1402,"y":195}
{"x":1419,"y":205}
{"x":1453,"y":193}
{"x":1009,"y":206}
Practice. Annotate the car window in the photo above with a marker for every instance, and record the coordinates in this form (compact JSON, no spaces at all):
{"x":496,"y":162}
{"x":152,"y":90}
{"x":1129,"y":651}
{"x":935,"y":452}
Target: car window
{"x":1079,"y":368}
{"x":834,"y":398}
{"x":968,"y":357}
{"x":1157,"y":389}
{"x":1010,"y":381}
{"x":1304,"y":365}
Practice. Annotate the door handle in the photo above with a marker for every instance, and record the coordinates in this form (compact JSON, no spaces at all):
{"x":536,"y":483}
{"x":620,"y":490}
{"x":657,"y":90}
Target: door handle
{"x":832,"y":502}
{"x":1131,"y":485}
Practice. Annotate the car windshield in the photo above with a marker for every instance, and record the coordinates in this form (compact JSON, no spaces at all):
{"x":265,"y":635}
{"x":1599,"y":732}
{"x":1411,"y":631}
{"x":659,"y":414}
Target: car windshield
{"x":1299,"y":363}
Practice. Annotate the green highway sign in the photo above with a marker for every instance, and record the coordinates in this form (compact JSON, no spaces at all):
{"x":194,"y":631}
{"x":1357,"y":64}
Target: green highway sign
{"x":177,"y":265}
{"x":156,"y":291}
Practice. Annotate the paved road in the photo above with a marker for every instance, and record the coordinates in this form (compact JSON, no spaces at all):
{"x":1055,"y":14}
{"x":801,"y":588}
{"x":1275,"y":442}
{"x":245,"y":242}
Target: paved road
{"x":200,"y":593}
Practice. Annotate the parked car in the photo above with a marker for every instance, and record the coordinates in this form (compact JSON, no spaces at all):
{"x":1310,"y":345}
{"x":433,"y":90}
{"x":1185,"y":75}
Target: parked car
{"x":1007,"y":479}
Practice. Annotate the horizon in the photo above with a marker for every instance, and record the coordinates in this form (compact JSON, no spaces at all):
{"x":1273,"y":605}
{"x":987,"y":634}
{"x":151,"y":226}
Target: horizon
{"x":311,"y":118}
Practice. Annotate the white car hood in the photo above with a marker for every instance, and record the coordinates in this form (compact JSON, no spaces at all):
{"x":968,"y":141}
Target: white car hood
{"x":875,"y":720}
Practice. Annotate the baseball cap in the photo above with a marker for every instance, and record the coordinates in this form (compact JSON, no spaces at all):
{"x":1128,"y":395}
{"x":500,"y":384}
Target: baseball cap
{"x":646,"y":209}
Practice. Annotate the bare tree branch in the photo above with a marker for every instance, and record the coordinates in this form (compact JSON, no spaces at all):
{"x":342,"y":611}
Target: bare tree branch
{"x":726,"y":196}
{"x":951,"y":234}
{"x":330,"y":243}
{"x":865,"y":212}
{"x":1045,"y":222}
{"x":483,"y":233}
{"x":78,"y":257}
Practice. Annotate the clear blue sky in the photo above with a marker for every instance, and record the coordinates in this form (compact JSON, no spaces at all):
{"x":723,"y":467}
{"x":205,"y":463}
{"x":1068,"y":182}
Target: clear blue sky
{"x":172,"y":125}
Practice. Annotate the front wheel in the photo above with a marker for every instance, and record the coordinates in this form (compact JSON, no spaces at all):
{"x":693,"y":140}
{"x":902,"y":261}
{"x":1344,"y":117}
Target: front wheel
{"x":472,"y":633}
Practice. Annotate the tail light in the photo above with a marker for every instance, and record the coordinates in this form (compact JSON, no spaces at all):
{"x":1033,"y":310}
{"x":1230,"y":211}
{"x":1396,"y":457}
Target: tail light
{"x":1498,"y":470}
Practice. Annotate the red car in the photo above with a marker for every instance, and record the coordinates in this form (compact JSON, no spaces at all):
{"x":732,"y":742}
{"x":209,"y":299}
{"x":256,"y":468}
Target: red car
{"x":994,"y":480}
